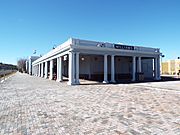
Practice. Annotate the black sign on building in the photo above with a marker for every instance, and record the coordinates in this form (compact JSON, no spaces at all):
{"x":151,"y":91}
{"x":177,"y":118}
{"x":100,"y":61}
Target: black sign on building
{"x":124,"y":47}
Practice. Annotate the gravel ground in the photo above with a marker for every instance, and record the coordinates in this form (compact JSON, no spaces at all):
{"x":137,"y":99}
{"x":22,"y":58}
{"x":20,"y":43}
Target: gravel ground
{"x":33,"y":105}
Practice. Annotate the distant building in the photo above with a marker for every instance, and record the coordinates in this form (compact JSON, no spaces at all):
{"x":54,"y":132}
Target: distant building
{"x":29,"y":62}
{"x":27,"y":66}
{"x":100,"y":61}
{"x":171,"y":67}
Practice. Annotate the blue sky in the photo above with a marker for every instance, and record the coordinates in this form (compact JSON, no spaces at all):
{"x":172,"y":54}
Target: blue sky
{"x":26,"y":25}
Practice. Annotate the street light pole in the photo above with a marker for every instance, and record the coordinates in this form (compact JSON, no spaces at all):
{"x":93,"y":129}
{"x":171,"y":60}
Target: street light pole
{"x":162,"y":56}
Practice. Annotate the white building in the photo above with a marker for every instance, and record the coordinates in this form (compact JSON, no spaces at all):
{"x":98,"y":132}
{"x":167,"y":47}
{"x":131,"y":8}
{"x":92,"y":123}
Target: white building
{"x":29,"y":64}
{"x":101,"y":61}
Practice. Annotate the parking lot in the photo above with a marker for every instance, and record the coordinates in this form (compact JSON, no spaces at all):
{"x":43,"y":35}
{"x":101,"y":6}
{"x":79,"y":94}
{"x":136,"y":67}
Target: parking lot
{"x":33,"y":105}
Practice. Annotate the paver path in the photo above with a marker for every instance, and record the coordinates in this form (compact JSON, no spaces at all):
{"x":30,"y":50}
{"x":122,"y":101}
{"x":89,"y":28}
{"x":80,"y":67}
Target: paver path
{"x":33,"y":105}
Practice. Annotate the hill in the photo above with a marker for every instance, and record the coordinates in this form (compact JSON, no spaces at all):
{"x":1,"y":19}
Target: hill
{"x":7,"y":66}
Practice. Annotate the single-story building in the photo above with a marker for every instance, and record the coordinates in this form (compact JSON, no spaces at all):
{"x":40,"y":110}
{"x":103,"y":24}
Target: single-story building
{"x":29,"y":62}
{"x":100,"y":61}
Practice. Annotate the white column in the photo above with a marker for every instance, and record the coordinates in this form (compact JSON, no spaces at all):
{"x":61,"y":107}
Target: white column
{"x":158,"y":69}
{"x":57,"y":75}
{"x":59,"y":69}
{"x":77,"y":68}
{"x":134,"y":68}
{"x":33,"y":70}
{"x":46,"y":70}
{"x":51,"y":70}
{"x":42,"y":70}
{"x":105,"y":69}
{"x":39,"y":71}
{"x":36,"y":70}
{"x":71,"y":69}
{"x":155,"y":69}
{"x":112,"y":69}
{"x":139,"y":64}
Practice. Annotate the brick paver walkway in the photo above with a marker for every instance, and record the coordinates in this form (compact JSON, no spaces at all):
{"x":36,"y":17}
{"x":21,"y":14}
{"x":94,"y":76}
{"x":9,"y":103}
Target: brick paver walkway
{"x":32,"y":105}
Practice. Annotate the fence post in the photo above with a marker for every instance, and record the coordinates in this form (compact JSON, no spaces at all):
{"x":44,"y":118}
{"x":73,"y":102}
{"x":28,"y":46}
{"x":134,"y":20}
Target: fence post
{"x":4,"y":73}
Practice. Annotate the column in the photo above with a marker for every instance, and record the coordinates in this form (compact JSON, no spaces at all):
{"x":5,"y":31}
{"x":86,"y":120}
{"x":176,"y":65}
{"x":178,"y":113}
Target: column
{"x":59,"y":69}
{"x":33,"y":70}
{"x":139,"y":64}
{"x":46,"y":70}
{"x":105,"y":69}
{"x":42,"y":70}
{"x":57,"y":75}
{"x":155,"y":69}
{"x":71,"y":69}
{"x":77,"y":68}
{"x":112,"y":69}
{"x":39,"y":72}
{"x":51,"y":70}
{"x":134,"y":68}
{"x":158,"y":69}
{"x":36,"y":70}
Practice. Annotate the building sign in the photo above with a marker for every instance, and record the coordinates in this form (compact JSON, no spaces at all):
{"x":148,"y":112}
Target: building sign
{"x":124,"y":47}
{"x":101,"y":45}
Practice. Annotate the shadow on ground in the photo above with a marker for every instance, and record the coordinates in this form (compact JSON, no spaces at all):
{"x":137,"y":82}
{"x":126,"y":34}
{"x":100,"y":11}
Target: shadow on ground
{"x":163,"y":79}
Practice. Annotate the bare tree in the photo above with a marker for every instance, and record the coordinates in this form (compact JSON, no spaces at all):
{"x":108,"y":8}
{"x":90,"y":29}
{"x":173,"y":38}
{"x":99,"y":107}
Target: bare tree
{"x":21,"y":64}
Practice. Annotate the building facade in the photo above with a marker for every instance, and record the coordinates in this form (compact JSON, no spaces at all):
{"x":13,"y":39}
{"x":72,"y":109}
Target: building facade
{"x":171,"y":67}
{"x":29,"y":62}
{"x":100,"y":61}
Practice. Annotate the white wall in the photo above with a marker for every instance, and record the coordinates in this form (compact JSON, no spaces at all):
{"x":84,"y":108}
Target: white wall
{"x":31,"y":59}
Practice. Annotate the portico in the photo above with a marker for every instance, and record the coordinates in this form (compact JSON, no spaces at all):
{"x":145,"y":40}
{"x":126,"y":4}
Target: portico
{"x":107,"y":62}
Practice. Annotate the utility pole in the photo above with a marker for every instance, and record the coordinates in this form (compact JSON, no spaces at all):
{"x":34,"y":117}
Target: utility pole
{"x":162,"y":56}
